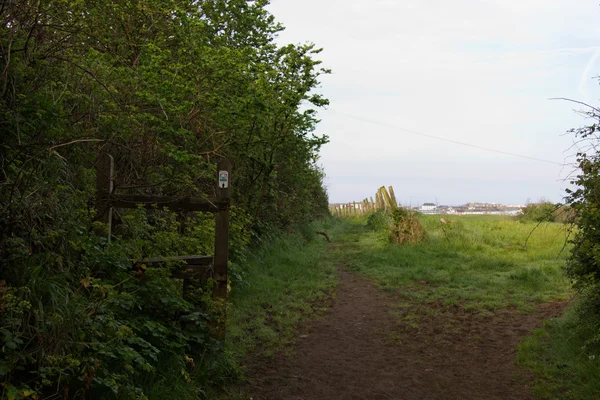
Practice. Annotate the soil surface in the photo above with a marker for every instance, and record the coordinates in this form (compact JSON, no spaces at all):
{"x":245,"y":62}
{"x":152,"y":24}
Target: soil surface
{"x":373,"y":345}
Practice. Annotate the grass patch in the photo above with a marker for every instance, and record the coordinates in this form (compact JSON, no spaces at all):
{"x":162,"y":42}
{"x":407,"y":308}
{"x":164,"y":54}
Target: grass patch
{"x":285,"y":281}
{"x":482,"y":263}
{"x":558,"y":357}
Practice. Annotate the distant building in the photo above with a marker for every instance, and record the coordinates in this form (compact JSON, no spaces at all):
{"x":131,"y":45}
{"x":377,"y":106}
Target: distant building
{"x":428,"y":208}
{"x":446,"y":210}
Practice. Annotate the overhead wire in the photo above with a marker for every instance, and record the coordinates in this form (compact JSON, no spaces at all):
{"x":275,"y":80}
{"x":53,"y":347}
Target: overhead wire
{"x":374,"y":122}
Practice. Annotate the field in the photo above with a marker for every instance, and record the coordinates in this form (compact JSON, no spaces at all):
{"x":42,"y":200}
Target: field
{"x":482,"y":263}
{"x":456,"y":305}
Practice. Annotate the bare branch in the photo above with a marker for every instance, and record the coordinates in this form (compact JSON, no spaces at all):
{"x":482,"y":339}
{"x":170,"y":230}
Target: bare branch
{"x":575,"y":101}
{"x":74,"y":141}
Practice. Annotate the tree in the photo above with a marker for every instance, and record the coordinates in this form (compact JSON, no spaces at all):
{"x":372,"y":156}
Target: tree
{"x":166,"y":87}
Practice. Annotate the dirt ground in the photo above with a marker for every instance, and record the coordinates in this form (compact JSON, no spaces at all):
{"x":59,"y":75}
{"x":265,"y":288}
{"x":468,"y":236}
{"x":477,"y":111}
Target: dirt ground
{"x":368,"y":347}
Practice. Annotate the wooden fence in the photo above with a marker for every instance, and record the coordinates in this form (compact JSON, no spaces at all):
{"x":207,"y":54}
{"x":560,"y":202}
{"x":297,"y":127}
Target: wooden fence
{"x":193,"y":266}
{"x":384,"y":199}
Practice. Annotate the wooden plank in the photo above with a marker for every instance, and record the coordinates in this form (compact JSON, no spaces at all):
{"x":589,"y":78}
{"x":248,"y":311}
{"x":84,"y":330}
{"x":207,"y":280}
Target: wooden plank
{"x":198,"y":267}
{"x":189,"y":260}
{"x":222,"y":229}
{"x":171,"y":202}
{"x":202,"y":272}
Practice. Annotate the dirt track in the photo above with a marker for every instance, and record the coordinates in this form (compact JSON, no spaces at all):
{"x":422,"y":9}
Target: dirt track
{"x":366,"y":347}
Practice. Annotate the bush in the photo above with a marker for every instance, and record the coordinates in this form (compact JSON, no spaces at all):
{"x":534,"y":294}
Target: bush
{"x":538,"y":212}
{"x":584,"y":263}
{"x":583,"y":266}
{"x":405,"y":227}
{"x":398,"y":225}
{"x":379,"y":221}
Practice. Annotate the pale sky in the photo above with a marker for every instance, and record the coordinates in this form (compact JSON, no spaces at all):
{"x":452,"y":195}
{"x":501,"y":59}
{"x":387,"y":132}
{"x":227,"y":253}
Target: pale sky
{"x":474,"y":71}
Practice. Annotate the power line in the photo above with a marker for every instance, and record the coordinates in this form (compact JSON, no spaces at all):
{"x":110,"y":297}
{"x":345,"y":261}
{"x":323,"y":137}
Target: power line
{"x":448,"y":140}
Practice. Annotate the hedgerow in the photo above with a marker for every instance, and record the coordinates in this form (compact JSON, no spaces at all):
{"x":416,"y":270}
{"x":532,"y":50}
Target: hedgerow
{"x":583,"y":266}
{"x":166,"y":88}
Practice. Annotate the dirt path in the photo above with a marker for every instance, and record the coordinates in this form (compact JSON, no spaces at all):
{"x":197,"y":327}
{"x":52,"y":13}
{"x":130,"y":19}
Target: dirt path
{"x":369,"y":348}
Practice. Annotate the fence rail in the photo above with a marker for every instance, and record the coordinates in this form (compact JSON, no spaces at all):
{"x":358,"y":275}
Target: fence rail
{"x":384,"y":199}
{"x":194,"y":266}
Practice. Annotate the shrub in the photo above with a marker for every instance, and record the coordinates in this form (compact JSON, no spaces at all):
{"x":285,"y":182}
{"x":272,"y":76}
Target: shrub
{"x":379,"y":221}
{"x":546,"y":211}
{"x":405,"y":227}
{"x":583,"y":266}
{"x":538,"y":212}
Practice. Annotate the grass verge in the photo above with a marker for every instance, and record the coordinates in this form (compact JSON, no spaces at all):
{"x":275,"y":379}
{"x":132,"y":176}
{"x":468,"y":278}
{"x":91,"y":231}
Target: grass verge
{"x":286,"y":282}
{"x":557,"y":355}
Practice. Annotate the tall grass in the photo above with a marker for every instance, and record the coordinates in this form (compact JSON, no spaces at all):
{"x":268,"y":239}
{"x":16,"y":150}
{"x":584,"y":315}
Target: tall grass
{"x":483,"y":263}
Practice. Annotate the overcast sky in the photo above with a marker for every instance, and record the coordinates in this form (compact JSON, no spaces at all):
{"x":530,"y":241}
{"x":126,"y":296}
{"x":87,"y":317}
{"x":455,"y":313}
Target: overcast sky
{"x":479,"y":72}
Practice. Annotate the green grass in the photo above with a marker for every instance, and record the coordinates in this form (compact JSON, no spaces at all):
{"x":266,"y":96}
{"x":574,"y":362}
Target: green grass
{"x":558,"y":357}
{"x":284,"y":285}
{"x":287,"y":281}
{"x":482,"y":263}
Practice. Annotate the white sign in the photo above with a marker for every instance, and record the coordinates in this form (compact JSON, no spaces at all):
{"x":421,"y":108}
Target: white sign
{"x":223,"y":179}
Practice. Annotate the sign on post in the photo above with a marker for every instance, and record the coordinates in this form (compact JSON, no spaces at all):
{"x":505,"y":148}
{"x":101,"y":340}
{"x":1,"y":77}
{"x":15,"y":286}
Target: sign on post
{"x":223,"y":179}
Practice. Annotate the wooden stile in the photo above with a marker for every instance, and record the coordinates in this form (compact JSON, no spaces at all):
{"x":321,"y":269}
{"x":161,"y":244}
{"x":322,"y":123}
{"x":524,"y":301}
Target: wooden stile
{"x":195,"y":267}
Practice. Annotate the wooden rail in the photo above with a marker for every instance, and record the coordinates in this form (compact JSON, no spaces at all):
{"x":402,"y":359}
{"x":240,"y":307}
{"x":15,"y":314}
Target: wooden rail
{"x":384,"y":199}
{"x":198,"y":267}
{"x":195,"y":267}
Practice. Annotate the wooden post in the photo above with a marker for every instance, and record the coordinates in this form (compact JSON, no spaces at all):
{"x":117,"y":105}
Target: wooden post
{"x":105,"y":167}
{"x":223,"y":193}
{"x":393,"y":197}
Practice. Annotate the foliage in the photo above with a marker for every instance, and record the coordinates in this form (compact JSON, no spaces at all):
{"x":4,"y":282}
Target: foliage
{"x":379,"y":221}
{"x":583,"y":266}
{"x":398,"y":225}
{"x":405,"y":227}
{"x":166,"y":88}
{"x":544,"y":211}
